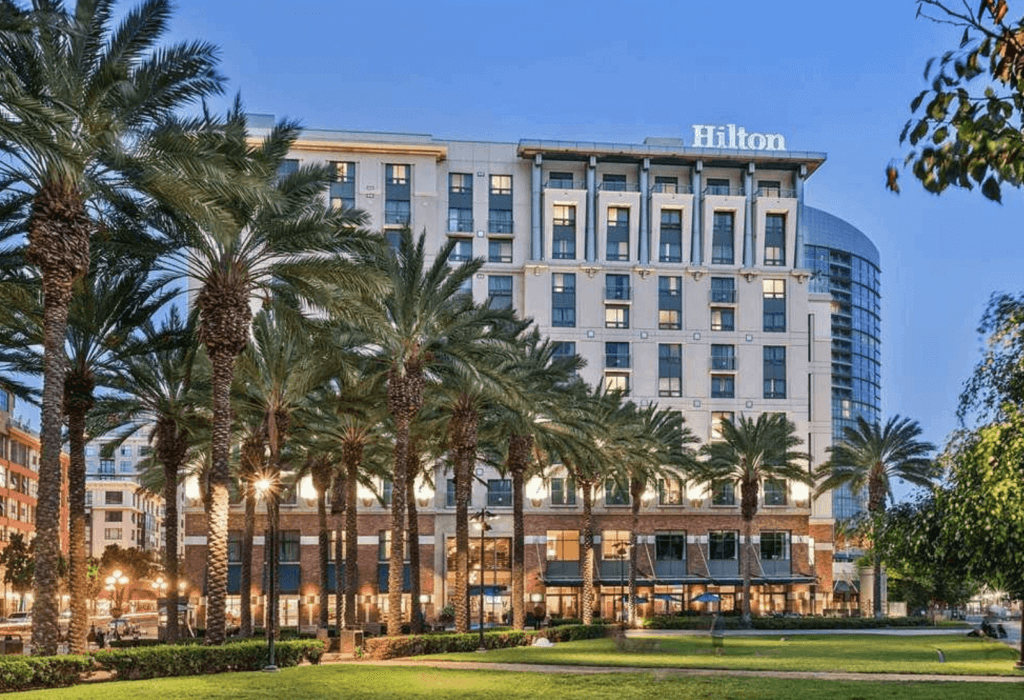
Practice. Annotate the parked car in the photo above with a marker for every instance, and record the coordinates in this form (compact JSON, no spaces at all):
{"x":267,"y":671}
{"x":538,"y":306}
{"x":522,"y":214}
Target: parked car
{"x":23,"y":617}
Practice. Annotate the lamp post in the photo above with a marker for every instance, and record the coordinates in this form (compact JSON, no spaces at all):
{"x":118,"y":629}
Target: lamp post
{"x":116,"y":584}
{"x":266,"y":487}
{"x":622,"y":552}
{"x":481,"y":521}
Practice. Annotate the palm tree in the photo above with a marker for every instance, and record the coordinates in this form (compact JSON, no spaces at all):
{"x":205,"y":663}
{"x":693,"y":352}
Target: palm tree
{"x":418,"y":324}
{"x":749,"y":452}
{"x":85,"y":95}
{"x":871,"y":455}
{"x":280,"y":239}
{"x":158,"y":390}
{"x":660,"y":450}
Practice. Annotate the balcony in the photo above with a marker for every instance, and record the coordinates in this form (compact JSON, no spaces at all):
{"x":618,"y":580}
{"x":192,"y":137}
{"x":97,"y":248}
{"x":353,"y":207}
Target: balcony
{"x":554,"y":184}
{"x":499,"y":226}
{"x":775,"y":193}
{"x":461,"y":225}
{"x":723,"y":296}
{"x":616,"y":361}
{"x":670,"y":188}
{"x":723,"y":191}
{"x":618,"y":187}
{"x":724,"y":363}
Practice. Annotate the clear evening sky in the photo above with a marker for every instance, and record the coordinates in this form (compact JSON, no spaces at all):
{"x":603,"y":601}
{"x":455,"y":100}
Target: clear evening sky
{"x":835,"y":77}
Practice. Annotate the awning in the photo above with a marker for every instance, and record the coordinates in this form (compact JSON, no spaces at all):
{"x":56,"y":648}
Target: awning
{"x":844,"y":587}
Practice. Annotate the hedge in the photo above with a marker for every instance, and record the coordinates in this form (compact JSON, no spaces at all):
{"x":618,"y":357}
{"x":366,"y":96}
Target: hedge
{"x":675,"y":622}
{"x":394,"y":647}
{"x":27,"y":672}
{"x":190,"y":659}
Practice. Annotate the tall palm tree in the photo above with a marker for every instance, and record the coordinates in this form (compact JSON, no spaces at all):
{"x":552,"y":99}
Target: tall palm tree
{"x":871,"y":455}
{"x":279,"y":238}
{"x":415,"y":326}
{"x":749,"y":452}
{"x":102,"y":88}
{"x":660,"y":449}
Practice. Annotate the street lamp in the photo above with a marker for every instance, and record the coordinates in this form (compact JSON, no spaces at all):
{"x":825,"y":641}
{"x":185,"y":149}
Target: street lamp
{"x":622,"y":552}
{"x":266,"y":486}
{"x":116,"y":583}
{"x":481,"y":521}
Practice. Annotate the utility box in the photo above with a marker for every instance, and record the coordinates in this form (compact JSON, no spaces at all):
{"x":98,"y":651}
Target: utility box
{"x":350,"y":640}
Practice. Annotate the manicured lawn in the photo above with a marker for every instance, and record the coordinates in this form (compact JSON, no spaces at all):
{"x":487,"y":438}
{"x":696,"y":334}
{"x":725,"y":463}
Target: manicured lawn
{"x":354,"y":682}
{"x":860,"y":653}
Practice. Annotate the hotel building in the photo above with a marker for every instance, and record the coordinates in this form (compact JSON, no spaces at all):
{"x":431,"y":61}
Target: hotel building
{"x":693,"y":276}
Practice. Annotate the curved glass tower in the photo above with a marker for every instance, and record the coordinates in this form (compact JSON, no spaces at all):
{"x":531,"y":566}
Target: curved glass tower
{"x":845,"y":264}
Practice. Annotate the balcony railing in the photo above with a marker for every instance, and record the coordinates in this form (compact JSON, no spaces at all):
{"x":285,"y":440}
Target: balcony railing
{"x":616,"y":361}
{"x":618,"y":293}
{"x":618,"y":187}
{"x":722,"y":190}
{"x":775,"y":192}
{"x":723,"y":296}
{"x":499,"y":226}
{"x":461,"y":225}
{"x":565,"y":185}
{"x":723,"y":363}
{"x":671,"y":188}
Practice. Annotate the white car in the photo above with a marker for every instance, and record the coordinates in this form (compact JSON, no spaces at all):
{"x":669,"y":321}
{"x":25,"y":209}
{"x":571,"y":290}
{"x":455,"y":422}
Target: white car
{"x":19,"y":618}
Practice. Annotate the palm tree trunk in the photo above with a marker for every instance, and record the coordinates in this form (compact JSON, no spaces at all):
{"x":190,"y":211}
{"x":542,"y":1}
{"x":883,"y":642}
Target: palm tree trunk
{"x":396,"y":562}
{"x":272,"y":550}
{"x":636,"y":494}
{"x":352,"y":456}
{"x":223,"y":364}
{"x":746,"y":562}
{"x":588,"y":550}
{"x":463,"y":439}
{"x":519,"y":449}
{"x":245,"y":580}
{"x":78,"y":628}
{"x":338,"y":507}
{"x":324,"y":551}
{"x":876,"y":505}
{"x":171,"y":550}
{"x":416,"y":622}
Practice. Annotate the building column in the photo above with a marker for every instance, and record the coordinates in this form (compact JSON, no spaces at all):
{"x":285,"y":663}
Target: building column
{"x":798,"y":254}
{"x":645,"y":211}
{"x":748,"y":216}
{"x":536,"y":231}
{"x":697,"y":234}
{"x":591,"y":227}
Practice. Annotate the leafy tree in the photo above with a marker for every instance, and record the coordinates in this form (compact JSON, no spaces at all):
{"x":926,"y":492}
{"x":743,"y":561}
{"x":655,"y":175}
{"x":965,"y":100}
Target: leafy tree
{"x":749,"y":452}
{"x":19,"y":564}
{"x":82,"y":98}
{"x":965,"y":129}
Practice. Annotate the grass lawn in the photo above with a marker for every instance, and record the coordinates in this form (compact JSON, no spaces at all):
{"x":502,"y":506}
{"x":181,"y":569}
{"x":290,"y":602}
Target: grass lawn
{"x":354,"y":682}
{"x":855,"y":653}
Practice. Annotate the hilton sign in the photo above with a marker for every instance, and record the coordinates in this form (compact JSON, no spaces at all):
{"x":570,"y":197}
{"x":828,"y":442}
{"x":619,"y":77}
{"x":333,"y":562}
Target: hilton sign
{"x":732,"y":136}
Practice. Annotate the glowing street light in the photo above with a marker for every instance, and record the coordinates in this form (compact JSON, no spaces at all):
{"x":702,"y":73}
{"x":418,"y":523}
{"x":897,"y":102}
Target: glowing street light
{"x":116,"y":583}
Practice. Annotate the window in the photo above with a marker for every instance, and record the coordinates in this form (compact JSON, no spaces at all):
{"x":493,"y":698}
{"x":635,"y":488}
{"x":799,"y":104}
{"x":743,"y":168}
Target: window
{"x":384,"y":546}
{"x":563,"y":231}
{"x":670,"y":369}
{"x":615,"y":545}
{"x":723,"y":318}
{"x":287,"y":167}
{"x":723,"y":357}
{"x":769,"y":188}
{"x":774,"y":545}
{"x":499,"y":492}
{"x":616,"y":355}
{"x":462,"y":251}
{"x":460,"y":183}
{"x":126,"y":450}
{"x":563,"y":349}
{"x":775,"y":492}
{"x":775,"y":239}
{"x":460,"y":219}
{"x":616,"y":287}
{"x":563,"y":300}
{"x":234,"y":546}
{"x":717,"y":185}
{"x":500,"y":221}
{"x":113,"y":498}
{"x":112,"y":533}
{"x":670,"y":546}
{"x":499,"y":291}
{"x":670,"y":303}
{"x":113,"y":516}
{"x":107,"y":466}
{"x":343,"y":187}
{"x":670,"y":492}
{"x":722,"y":252}
{"x":722,"y":544}
{"x":616,"y":381}
{"x":563,"y":545}
{"x":613,"y":183}
{"x":723,"y":493}
{"x":717,"y":417}
{"x":667,"y":185}
{"x":501,"y":184}
{"x":563,"y":491}
{"x":615,"y":493}
{"x":499,"y":251}
{"x":562,"y":181}
{"x":723,"y":386}
{"x":774,"y":372}
{"x":617,"y":246}
{"x":396,"y":174}
{"x":670,"y":247}
{"x":774,"y":305}
{"x":616,"y":317}
{"x":723,"y":290}
{"x":396,"y":212}
{"x":449,"y":495}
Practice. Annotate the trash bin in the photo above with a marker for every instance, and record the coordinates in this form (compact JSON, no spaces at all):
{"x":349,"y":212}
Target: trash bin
{"x":12,"y":644}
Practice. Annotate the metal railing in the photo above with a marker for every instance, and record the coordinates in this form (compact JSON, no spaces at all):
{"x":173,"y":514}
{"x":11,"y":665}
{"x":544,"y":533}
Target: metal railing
{"x":722,"y":190}
{"x":499,"y":226}
{"x":723,"y":296}
{"x":670,"y":188}
{"x":775,"y":192}
{"x":618,"y":187}
{"x":618,"y":293}
{"x":565,"y":185}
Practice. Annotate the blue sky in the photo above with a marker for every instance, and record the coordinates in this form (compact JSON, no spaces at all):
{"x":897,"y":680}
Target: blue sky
{"x":833,"y":77}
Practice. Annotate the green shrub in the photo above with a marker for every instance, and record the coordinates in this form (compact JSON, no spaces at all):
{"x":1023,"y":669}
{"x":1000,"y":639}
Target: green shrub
{"x":394,"y":647}
{"x":24,"y":672}
{"x":190,"y":659}
{"x":675,"y":622}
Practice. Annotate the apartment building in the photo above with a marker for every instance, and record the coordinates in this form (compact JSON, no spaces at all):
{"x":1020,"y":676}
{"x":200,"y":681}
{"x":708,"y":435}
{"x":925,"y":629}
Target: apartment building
{"x":685,"y":274}
{"x":121,"y":512}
